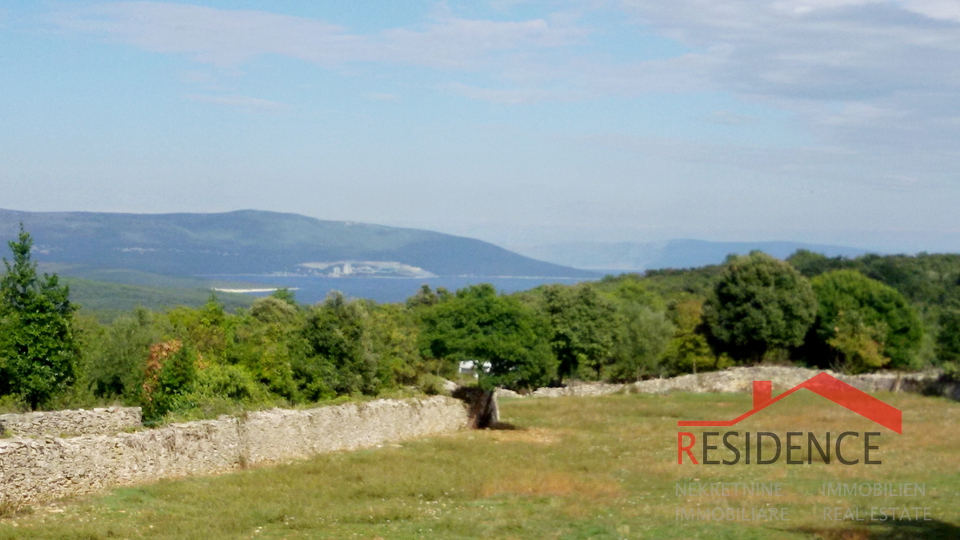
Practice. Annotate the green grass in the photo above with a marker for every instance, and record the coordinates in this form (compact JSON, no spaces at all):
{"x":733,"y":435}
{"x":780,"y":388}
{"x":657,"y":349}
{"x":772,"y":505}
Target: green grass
{"x":601,"y":467}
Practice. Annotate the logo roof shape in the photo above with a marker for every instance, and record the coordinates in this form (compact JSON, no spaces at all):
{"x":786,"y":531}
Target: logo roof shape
{"x":824,"y":385}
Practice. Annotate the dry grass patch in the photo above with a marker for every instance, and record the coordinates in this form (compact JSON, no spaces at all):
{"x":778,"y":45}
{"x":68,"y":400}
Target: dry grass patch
{"x":524,"y":436}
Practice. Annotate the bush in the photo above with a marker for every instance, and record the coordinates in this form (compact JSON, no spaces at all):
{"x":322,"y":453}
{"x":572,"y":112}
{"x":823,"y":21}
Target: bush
{"x":170,"y":377}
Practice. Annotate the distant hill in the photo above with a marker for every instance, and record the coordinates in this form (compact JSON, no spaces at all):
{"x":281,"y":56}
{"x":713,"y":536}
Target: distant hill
{"x":256,"y":242}
{"x":107,"y":300}
{"x":670,"y":254}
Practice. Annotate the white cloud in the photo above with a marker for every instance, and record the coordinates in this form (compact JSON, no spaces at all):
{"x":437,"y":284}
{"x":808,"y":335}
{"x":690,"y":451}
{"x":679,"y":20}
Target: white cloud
{"x":731,"y":118}
{"x":376,"y":96}
{"x":948,"y":10}
{"x":510,"y":96}
{"x":250,"y":104}
{"x":878,"y":80}
{"x":228,"y":38}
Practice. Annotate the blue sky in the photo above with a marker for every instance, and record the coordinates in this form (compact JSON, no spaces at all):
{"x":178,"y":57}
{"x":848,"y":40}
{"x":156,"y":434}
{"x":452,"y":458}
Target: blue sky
{"x":518,"y":122}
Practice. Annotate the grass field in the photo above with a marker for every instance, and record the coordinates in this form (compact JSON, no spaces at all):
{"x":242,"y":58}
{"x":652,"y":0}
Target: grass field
{"x":603,"y":467}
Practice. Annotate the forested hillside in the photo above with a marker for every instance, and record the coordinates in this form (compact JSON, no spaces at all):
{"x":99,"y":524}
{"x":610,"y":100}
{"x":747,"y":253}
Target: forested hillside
{"x":855,"y":315}
{"x":254,"y":242}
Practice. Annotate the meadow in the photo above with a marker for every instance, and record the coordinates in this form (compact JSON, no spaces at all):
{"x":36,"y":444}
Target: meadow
{"x":598,"y":467}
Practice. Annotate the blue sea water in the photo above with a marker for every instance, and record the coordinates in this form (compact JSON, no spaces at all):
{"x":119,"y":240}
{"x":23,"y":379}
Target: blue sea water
{"x":310,"y":290}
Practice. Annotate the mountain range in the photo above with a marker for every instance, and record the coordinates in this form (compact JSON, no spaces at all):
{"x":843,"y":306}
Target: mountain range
{"x":639,"y":256}
{"x":255,"y":242}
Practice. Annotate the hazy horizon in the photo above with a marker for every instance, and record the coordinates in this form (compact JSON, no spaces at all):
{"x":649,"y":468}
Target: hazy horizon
{"x":512,"y":121}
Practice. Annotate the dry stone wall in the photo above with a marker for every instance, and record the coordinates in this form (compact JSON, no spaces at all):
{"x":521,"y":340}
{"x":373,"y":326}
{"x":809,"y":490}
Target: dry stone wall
{"x":279,"y":435}
{"x":783,"y":378}
{"x":741,"y":379}
{"x":36,"y":470}
{"x":107,"y":421}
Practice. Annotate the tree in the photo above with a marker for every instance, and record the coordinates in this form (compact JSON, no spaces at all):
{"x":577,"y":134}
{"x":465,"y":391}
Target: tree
{"x":478,"y":324}
{"x":643,"y":331}
{"x":425,"y":297}
{"x":688,"y":350}
{"x":948,"y":340}
{"x":285,"y":294}
{"x":812,"y":264}
{"x":393,"y":335}
{"x":169,"y":377}
{"x":338,"y":355}
{"x":205,"y":328}
{"x":263,"y":345}
{"x":864,"y":322}
{"x":759,"y":304}
{"x":582,"y":325}
{"x":120,"y":364}
{"x":642,"y":337}
{"x":36,"y":339}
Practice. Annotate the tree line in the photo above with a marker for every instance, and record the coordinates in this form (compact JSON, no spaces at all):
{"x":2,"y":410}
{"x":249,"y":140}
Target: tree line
{"x":855,"y":315}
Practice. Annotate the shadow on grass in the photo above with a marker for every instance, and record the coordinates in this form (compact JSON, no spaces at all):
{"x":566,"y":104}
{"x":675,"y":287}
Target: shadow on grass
{"x":504,"y":426}
{"x":890,"y":530}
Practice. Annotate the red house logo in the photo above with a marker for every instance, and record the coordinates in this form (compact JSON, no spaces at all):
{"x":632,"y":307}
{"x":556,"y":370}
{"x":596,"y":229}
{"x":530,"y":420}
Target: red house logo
{"x":824,"y":385}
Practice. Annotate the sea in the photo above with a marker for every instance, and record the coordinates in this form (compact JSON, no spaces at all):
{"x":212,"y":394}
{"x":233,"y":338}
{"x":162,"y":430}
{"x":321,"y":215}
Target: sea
{"x":311,"y":289}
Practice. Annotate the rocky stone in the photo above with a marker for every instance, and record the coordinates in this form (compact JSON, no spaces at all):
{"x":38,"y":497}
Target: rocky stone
{"x":107,"y":421}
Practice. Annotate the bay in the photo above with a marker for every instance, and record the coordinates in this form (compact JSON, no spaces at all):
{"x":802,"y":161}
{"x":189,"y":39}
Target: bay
{"x":310,"y":289}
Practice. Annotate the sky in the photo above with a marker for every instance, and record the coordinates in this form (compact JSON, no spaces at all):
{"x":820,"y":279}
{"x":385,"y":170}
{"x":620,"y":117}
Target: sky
{"x":515,"y":121}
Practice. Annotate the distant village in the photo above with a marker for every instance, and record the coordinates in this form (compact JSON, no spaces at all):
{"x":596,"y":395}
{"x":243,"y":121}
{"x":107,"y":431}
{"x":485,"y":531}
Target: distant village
{"x":360,"y":269}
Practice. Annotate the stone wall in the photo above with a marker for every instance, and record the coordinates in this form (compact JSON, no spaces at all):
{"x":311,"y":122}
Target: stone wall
{"x":71,"y":423}
{"x":36,"y":470}
{"x":279,"y":435}
{"x":741,"y":380}
{"x":783,"y":378}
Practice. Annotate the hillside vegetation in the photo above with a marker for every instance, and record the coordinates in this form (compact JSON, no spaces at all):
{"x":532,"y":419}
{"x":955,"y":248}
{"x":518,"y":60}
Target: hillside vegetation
{"x":107,"y":301}
{"x":855,"y":315}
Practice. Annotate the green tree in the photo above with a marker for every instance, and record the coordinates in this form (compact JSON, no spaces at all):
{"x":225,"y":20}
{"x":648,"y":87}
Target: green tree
{"x":812,"y":264}
{"x":478,"y":324}
{"x":338,"y":359}
{"x":759,"y":304}
{"x":119,"y":365}
{"x":642,"y":333}
{"x":864,"y":322}
{"x":582,"y":325}
{"x":263,"y":343}
{"x":642,"y":336}
{"x":273,"y":310}
{"x":286,"y":295}
{"x":425,"y":297}
{"x":688,"y":350}
{"x":36,"y":338}
{"x":858,"y":345}
{"x":170,"y":376}
{"x":948,"y":339}
{"x":393,"y":335}
{"x":206,"y":328}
